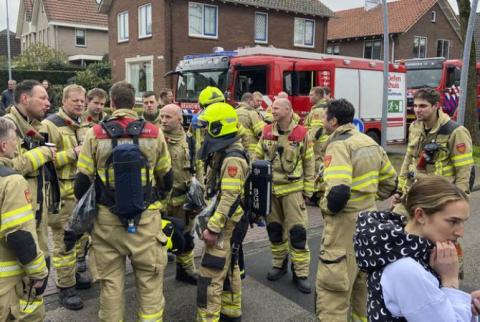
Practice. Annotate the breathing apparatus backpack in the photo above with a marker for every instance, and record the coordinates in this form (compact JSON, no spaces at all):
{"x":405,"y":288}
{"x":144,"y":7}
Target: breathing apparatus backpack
{"x":129,"y":198}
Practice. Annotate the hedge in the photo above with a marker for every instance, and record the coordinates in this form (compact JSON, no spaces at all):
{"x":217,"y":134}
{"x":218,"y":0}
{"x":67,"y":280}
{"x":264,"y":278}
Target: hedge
{"x":53,"y":76}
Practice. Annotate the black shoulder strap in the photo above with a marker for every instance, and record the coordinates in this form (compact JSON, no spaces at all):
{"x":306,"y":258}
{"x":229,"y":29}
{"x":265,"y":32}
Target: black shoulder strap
{"x":134,"y":129}
{"x":57,"y":120}
{"x":6,"y":171}
{"x":114,"y":130}
{"x":191,"y":149}
{"x":448,"y":128}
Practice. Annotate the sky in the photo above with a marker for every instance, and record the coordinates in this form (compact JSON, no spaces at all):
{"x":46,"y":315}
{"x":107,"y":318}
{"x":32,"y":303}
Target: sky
{"x":335,"y":5}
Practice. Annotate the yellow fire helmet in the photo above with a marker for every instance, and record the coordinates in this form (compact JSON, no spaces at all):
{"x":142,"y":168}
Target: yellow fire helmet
{"x":220,"y":119}
{"x":210,"y":95}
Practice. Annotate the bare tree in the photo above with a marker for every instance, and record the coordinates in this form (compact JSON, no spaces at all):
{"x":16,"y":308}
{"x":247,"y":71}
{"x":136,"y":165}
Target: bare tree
{"x":471,"y":116}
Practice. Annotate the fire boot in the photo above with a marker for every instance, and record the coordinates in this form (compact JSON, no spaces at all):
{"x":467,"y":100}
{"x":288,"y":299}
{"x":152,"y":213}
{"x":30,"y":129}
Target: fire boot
{"x":224,"y":318}
{"x":83,"y":281}
{"x":302,"y":283}
{"x":277,"y":272}
{"x":69,"y":299}
{"x":81,"y":264}
{"x":185,"y":276}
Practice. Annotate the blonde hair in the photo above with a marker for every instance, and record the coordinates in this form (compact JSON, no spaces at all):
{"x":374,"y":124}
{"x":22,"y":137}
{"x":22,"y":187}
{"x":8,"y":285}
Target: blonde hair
{"x":72,"y":88}
{"x":432,"y":194}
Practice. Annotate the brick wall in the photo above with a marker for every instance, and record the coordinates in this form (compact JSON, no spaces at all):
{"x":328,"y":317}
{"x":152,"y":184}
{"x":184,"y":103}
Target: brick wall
{"x":170,"y":40}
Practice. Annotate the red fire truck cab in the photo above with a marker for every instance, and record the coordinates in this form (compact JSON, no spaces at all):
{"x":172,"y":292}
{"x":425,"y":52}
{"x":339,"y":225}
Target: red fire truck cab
{"x":270,"y":71}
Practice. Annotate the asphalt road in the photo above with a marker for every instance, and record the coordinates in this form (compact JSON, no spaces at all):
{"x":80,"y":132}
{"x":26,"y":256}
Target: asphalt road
{"x":262,"y":300}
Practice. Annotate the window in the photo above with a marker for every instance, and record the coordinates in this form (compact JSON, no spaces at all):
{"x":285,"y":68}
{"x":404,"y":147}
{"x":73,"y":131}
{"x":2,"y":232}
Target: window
{"x":261,"y":27}
{"x":434,"y":16}
{"x":443,"y":48}
{"x":420,"y":47}
{"x":333,"y":50}
{"x":304,"y":31}
{"x":372,"y":49}
{"x":140,"y":75}
{"x":202,"y":20}
{"x":145,"y":21}
{"x":251,"y":79}
{"x":80,"y":37}
{"x":122,"y":26}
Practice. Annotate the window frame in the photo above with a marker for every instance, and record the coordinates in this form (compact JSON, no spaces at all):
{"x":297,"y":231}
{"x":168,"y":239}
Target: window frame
{"x":126,"y":27}
{"x":203,"y":34}
{"x":448,"y":49}
{"x":426,"y":46}
{"x":304,"y":44}
{"x":138,"y":60}
{"x":143,"y":21}
{"x":434,"y":16}
{"x":372,"y":41}
{"x":261,"y":41}
{"x":84,"y":37}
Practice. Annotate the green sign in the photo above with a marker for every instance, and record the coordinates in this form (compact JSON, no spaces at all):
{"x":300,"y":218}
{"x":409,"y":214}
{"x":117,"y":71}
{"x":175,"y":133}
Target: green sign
{"x":395,"y":106}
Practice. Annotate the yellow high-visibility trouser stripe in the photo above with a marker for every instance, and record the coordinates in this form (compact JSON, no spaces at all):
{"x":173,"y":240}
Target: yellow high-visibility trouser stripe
{"x":280,"y":189}
{"x":155,"y":317}
{"x":16,"y":217}
{"x":9,"y":269}
{"x":36,"y":266}
{"x":30,"y":307}
{"x":64,"y":261}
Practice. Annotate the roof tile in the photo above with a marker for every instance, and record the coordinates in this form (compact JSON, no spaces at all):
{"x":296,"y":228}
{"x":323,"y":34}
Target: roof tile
{"x":75,"y":11}
{"x":308,"y":7}
{"x":401,"y":16}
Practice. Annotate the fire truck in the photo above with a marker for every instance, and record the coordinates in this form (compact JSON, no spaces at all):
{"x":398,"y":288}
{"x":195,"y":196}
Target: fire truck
{"x":271,"y":70}
{"x":441,"y":74}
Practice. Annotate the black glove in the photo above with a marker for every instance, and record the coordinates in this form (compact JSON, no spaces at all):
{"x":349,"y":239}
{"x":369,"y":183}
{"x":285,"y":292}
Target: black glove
{"x":41,"y":289}
{"x":315,"y":199}
{"x":69,"y":238}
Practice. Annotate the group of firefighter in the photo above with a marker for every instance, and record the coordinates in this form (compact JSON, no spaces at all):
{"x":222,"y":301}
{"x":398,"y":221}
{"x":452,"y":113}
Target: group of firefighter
{"x":142,"y":168}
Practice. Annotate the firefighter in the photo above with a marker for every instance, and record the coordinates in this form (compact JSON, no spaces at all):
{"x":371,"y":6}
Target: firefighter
{"x":22,"y":261}
{"x":94,"y":114}
{"x":319,"y":97}
{"x":258,"y":100}
{"x":219,"y":284}
{"x":436,"y":146}
{"x":128,"y":221}
{"x":166,"y":97}
{"x":31,"y":104}
{"x":182,"y":151}
{"x":357,"y":172}
{"x":151,"y":108}
{"x":287,"y":146}
{"x":65,"y":131}
{"x":250,"y":120}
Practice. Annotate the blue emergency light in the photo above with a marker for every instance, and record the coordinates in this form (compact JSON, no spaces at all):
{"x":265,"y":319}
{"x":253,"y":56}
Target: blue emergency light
{"x":228,"y":53}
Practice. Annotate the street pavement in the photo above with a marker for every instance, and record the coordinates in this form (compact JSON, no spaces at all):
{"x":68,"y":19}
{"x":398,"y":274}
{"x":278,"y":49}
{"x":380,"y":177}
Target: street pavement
{"x":262,"y":300}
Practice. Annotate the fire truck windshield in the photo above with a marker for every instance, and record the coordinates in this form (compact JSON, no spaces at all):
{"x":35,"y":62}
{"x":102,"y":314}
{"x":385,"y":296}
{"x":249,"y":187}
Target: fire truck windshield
{"x":418,"y":78}
{"x":191,"y":83}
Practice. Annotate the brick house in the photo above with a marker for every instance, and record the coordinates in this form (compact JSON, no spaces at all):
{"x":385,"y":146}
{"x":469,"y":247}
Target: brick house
{"x":418,"y":29}
{"x":72,"y":26}
{"x":147,"y":38}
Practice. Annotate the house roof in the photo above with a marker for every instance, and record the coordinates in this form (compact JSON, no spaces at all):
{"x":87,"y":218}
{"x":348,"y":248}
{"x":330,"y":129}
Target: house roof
{"x":402,"y":15}
{"x":28,"y":6}
{"x":4,"y":32}
{"x":75,"y":11}
{"x":308,"y":7}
